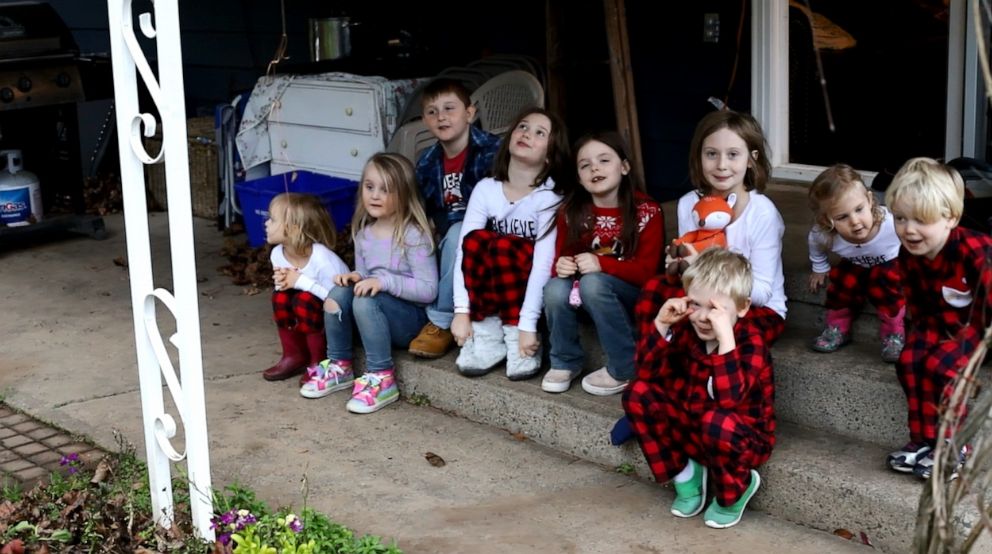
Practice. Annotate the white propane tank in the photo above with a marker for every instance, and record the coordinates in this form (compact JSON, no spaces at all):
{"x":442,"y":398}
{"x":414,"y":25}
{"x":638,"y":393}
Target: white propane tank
{"x":20,"y":192}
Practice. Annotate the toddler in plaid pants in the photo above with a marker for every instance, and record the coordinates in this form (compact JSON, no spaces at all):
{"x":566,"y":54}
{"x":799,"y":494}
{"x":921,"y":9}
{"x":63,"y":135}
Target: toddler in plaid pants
{"x":851,"y":224}
{"x":702,"y":403}
{"x":947,"y":284}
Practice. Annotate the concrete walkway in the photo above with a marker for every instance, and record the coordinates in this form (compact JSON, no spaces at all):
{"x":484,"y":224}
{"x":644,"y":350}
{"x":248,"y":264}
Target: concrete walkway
{"x":67,"y":357}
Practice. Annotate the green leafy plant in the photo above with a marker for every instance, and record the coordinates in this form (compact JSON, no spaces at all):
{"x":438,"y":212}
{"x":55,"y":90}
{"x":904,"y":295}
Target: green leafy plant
{"x":11,"y":490}
{"x":625,"y":469}
{"x":419,"y":399}
{"x":107,"y":508}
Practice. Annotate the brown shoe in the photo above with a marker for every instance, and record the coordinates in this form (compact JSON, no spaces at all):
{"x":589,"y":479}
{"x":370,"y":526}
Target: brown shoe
{"x":432,"y":342}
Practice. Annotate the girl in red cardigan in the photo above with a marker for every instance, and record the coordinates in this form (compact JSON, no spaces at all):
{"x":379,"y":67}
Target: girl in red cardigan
{"x":610,"y":239}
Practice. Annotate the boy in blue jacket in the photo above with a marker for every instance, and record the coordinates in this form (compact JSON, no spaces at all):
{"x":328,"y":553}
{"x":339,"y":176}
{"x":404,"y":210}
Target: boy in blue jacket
{"x":447,"y":172}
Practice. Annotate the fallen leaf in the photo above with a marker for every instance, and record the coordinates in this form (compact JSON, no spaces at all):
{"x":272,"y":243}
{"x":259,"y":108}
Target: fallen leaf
{"x":251,"y":291}
{"x":844,"y":534}
{"x":434,"y":459}
{"x":519,"y":436}
{"x":864,"y":540}
{"x":101,"y":472}
{"x":119,"y":260}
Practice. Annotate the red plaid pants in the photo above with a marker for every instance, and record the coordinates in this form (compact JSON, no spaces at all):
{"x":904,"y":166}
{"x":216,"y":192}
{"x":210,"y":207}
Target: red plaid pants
{"x":851,"y":284}
{"x":721,"y":440}
{"x":927,"y":368}
{"x":496,"y":269}
{"x":659,"y":289}
{"x":298,"y":310}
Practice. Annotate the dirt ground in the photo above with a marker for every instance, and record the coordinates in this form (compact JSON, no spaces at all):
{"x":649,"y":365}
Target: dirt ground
{"x":68,"y":357}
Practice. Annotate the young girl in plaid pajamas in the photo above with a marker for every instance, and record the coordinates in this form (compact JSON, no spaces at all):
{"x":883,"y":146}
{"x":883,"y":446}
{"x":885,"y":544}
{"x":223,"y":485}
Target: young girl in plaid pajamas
{"x":947,"y":280}
{"x":395,"y":278}
{"x":702,"y":403}
{"x":727,"y":157}
{"x":303,"y":270}
{"x":610,"y":236}
{"x":508,"y":246}
{"x":853,"y":225}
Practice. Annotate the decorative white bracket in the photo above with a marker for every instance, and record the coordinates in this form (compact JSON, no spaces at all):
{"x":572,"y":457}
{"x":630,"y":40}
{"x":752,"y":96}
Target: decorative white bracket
{"x":154,"y":362}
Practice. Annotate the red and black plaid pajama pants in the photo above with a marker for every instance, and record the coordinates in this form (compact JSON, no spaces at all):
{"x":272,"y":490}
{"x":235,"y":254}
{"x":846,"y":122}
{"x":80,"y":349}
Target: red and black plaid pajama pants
{"x":659,"y":289}
{"x":927,"y":368}
{"x":851,"y":284}
{"x":496,"y":269}
{"x":722,"y":441}
{"x":298,"y":310}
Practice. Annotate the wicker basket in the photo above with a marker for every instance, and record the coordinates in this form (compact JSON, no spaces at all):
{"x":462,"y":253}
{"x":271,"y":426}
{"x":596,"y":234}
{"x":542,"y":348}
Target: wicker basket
{"x":204,"y":185}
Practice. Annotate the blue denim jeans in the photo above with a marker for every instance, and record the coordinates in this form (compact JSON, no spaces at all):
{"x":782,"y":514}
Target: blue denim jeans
{"x":609,"y":301}
{"x":442,"y":310}
{"x":383,"y":321}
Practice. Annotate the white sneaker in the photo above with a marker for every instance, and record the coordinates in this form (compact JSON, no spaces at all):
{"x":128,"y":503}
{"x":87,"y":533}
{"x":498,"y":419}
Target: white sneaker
{"x":519,"y":367}
{"x":601,"y":383}
{"x":558,"y":380}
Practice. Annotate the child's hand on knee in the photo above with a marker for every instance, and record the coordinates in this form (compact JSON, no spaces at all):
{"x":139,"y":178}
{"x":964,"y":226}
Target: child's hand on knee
{"x":528,"y":344}
{"x":279,"y":278}
{"x":816,"y":281}
{"x":587,"y":263}
{"x":368,"y":287}
{"x":346,"y":279}
{"x":566,"y":267}
{"x":461,"y":328}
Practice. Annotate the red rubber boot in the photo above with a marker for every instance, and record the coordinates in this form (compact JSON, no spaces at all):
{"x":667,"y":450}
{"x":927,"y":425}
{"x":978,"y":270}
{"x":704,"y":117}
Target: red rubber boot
{"x":317,"y":348}
{"x":294,"y":356}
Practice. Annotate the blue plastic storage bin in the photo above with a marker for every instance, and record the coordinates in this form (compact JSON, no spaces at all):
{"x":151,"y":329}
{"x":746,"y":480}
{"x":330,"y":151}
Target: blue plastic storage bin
{"x":335,"y":193}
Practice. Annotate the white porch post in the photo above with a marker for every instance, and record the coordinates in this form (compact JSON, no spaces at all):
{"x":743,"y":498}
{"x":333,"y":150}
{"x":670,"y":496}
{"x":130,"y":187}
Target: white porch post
{"x":153,"y":359}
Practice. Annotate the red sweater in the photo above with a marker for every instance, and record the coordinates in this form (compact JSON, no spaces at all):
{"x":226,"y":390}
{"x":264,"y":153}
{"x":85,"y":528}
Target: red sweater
{"x":604,"y":239}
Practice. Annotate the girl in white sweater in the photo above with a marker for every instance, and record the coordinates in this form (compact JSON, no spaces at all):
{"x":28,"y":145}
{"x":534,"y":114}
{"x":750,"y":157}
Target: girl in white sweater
{"x":508,"y":247}
{"x":728,"y":158}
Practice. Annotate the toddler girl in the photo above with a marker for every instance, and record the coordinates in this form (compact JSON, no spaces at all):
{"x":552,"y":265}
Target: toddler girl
{"x":853,"y":225}
{"x":395,"y":277}
{"x":304,"y":268}
{"x":727,"y":158}
{"x":508,"y":243}
{"x":610,"y":235}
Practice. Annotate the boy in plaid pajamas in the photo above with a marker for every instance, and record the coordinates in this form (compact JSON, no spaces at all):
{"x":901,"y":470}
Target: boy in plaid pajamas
{"x":702,"y":403}
{"x":947,"y":283}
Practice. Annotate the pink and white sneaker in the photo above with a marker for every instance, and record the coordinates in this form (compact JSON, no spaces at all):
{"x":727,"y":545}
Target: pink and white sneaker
{"x":326,"y":377}
{"x":373,"y":391}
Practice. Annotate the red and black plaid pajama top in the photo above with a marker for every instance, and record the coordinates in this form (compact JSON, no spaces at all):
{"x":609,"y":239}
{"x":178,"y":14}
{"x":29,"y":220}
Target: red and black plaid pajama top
{"x":948,"y":300}
{"x":716,"y":409}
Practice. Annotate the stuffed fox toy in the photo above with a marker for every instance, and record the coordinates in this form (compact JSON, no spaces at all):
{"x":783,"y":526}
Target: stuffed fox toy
{"x":712,"y":214}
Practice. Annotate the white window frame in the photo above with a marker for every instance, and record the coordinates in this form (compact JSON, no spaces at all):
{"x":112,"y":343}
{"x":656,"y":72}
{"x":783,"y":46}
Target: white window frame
{"x":965,"y":108}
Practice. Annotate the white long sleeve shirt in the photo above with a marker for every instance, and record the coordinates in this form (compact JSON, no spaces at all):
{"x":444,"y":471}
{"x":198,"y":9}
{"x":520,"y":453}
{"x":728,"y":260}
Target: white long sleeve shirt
{"x":882,"y":248}
{"x":756,"y":234}
{"x":531,"y":217}
{"x":317,"y":277}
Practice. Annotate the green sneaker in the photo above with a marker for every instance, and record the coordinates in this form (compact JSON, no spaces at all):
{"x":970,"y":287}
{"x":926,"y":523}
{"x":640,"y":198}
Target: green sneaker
{"x":718,"y":517}
{"x":690,"y":495}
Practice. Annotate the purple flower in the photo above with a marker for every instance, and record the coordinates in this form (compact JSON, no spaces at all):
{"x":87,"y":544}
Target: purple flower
{"x":73,"y":470}
{"x":224,"y":538}
{"x":294,"y":523}
{"x":69,"y":460}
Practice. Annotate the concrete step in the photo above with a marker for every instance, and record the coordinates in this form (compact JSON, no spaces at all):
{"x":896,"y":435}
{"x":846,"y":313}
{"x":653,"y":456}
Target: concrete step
{"x":850,"y":392}
{"x":814,"y":478}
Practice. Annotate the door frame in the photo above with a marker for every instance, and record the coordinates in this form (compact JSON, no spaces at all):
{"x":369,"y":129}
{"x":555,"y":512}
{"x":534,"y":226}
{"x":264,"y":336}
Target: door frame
{"x":966,"y":109}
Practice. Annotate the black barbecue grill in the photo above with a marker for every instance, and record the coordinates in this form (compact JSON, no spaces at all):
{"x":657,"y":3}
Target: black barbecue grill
{"x":40,"y":87}
{"x":38,"y":58}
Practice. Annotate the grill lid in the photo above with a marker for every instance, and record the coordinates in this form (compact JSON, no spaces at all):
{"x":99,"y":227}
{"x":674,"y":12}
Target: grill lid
{"x":33,"y":29}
